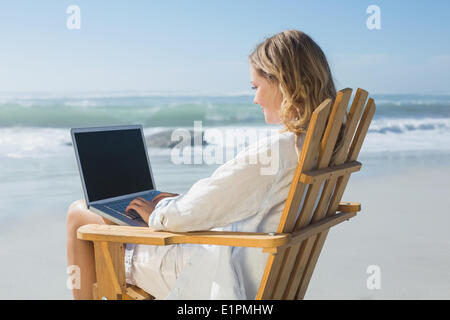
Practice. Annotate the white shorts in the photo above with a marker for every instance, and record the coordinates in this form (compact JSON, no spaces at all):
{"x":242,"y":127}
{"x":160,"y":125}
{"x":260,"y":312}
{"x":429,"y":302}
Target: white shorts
{"x":155,"y":268}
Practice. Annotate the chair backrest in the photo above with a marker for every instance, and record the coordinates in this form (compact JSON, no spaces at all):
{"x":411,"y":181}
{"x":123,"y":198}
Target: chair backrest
{"x":288,"y":271}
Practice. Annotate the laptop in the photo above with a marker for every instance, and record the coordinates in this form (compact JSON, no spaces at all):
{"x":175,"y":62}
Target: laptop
{"x":114,"y":169}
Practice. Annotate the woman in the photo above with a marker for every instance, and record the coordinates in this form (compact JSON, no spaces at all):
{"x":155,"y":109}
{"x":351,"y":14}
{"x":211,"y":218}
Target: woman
{"x":291,"y":77}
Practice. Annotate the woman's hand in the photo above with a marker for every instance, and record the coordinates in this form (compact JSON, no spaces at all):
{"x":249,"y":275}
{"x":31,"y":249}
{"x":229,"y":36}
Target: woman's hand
{"x":143,"y":207}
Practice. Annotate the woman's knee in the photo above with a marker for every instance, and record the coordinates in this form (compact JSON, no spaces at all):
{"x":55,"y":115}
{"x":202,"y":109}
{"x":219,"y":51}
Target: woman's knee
{"x":77,"y":205}
{"x":74,"y":213}
{"x":78,"y":215}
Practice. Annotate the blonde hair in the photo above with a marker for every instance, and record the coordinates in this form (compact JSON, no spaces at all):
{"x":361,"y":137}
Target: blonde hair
{"x":296,"y":63}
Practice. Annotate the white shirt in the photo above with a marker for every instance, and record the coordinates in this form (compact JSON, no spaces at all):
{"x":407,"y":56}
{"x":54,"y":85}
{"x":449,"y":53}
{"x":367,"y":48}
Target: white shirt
{"x":245,"y":194}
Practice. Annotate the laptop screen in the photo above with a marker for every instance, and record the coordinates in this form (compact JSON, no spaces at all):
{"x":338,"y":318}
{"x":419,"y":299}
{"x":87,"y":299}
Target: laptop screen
{"x":113,"y":163}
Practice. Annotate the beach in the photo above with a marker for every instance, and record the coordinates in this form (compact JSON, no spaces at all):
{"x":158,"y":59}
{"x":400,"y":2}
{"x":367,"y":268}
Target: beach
{"x":402,"y":228}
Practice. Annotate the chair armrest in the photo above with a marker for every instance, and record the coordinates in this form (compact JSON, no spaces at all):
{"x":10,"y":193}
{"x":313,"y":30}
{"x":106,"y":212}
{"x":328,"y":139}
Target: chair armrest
{"x":267,"y":241}
{"x":144,"y":235}
{"x":313,"y":229}
{"x":320,"y":226}
{"x":317,"y":175}
{"x":349,"y":207}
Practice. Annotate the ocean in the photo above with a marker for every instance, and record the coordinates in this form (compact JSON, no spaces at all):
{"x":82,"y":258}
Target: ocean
{"x":37,"y":160}
{"x":37,"y":126}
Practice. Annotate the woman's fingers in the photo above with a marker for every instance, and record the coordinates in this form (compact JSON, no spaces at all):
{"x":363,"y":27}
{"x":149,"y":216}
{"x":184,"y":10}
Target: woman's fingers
{"x":168,"y":194}
{"x":140,"y":205}
{"x":133,"y":207}
{"x":139,"y":202}
{"x":145,"y":201}
{"x":159,"y":196}
{"x":141,"y":208}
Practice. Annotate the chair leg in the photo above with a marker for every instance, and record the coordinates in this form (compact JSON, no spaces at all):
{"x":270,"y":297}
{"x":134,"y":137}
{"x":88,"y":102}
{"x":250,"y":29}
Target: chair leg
{"x":110,"y":270}
{"x":95,"y":292}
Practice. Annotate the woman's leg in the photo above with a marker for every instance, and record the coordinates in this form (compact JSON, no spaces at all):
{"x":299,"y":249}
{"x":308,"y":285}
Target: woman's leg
{"x":80,"y":253}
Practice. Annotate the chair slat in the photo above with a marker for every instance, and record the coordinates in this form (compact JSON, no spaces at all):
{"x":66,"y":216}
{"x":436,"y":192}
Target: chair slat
{"x":320,"y":152}
{"x":307,"y":161}
{"x":308,"y":158}
{"x":341,"y":182}
{"x":292,"y":275}
{"x":327,"y":145}
{"x":362,"y":131}
{"x":350,"y":125}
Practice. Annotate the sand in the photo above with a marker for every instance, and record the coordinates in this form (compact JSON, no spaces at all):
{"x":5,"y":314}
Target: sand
{"x":403,"y":229}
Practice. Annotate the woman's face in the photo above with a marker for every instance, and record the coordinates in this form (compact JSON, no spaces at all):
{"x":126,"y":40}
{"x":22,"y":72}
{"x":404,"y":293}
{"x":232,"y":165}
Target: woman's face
{"x":268,"y":96}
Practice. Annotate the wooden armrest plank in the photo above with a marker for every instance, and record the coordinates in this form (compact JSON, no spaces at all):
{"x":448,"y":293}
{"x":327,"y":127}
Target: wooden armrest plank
{"x":316,"y":175}
{"x":320,"y":226}
{"x":143,"y":235}
{"x":313,"y":229}
{"x":349,"y":207}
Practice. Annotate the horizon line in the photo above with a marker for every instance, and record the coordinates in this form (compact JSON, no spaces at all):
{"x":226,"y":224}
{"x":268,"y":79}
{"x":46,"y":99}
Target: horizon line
{"x":155,"y":93}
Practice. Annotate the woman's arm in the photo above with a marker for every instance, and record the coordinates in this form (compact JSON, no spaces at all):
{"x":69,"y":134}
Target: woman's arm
{"x":235,"y":191}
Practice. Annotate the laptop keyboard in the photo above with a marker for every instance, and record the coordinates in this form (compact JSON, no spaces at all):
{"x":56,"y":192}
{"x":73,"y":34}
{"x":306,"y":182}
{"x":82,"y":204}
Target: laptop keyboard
{"x":120,"y":205}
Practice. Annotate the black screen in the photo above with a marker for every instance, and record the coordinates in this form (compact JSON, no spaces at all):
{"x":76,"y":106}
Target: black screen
{"x":113,"y":162}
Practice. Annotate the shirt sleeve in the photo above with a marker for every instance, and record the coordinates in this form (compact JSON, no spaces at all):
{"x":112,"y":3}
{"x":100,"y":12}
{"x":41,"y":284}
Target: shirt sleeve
{"x":235,"y":191}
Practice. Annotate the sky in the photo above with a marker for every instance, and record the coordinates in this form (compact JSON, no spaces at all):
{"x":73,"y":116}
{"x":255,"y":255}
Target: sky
{"x":202,"y":46}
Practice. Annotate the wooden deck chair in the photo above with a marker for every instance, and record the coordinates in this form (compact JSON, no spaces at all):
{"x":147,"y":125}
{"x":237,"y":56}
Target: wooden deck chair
{"x":295,"y":248}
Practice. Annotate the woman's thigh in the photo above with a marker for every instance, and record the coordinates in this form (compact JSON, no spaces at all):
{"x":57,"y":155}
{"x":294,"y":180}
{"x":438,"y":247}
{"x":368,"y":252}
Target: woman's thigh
{"x":155,"y":268}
